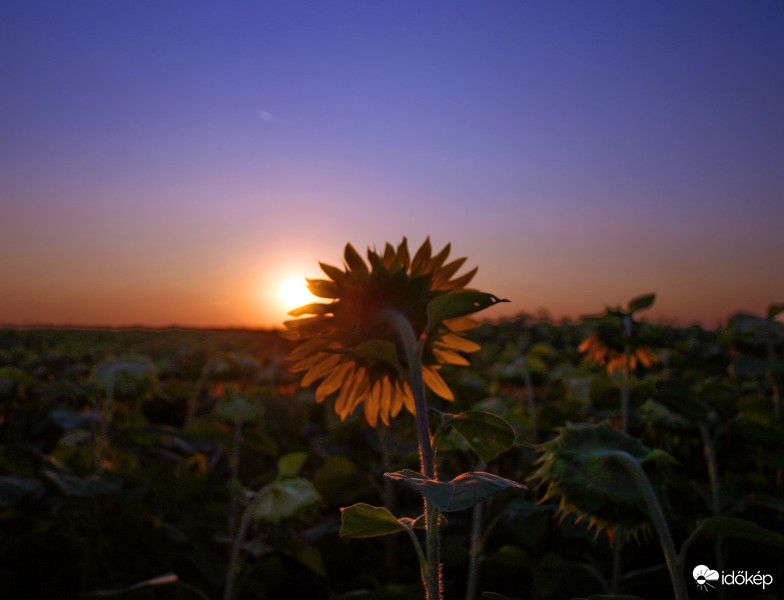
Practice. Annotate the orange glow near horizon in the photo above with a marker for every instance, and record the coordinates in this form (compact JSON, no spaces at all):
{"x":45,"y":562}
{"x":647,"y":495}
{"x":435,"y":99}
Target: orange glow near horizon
{"x":294,"y":293}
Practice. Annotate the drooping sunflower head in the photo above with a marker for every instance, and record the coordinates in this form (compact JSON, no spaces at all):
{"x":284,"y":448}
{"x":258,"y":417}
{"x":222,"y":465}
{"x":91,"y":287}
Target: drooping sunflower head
{"x":340,"y":338}
{"x":579,"y":474}
{"x":606,"y":345}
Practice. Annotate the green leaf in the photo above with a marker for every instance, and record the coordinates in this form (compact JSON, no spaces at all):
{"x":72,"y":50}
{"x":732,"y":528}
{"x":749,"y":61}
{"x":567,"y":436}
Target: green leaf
{"x":364,"y":521}
{"x":458,"y":304}
{"x":462,"y":492}
{"x":714,"y":528}
{"x":283,"y":499}
{"x":487,"y":434}
{"x":290,"y":464}
{"x":641,"y":302}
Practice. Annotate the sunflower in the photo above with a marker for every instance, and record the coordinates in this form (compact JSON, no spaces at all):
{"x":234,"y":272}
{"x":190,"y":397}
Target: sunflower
{"x":613,"y":356}
{"x":356,"y":352}
{"x":579,"y":475}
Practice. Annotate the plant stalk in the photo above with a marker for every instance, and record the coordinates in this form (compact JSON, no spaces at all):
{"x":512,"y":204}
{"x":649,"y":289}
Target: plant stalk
{"x":413,"y":350}
{"x":475,"y":552}
{"x":657,"y":517}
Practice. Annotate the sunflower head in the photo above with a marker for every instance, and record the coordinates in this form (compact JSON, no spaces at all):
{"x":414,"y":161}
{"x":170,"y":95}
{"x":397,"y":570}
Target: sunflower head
{"x":349,"y":344}
{"x":577,"y":474}
{"x":606,"y":344}
{"x":614,"y":358}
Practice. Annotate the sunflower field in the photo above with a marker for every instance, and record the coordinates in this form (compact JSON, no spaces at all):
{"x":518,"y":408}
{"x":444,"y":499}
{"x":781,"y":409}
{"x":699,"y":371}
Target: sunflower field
{"x":185,"y":464}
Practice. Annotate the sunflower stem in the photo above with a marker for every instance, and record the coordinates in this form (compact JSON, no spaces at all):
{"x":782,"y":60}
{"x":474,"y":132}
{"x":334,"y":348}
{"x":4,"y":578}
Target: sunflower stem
{"x":414,"y":350}
{"x":657,"y":517}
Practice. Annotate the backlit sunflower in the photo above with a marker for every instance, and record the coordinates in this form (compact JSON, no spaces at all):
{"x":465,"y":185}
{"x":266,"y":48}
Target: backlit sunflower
{"x":605,"y":349}
{"x":338,"y":339}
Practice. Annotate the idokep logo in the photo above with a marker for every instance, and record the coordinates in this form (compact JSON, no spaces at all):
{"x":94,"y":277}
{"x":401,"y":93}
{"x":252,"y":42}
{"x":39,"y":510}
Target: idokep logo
{"x":704,"y":577}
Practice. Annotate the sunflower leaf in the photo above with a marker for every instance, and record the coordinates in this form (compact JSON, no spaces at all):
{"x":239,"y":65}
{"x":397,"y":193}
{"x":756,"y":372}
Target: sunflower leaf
{"x":641,"y":302}
{"x":363,"y":521}
{"x":458,"y":304}
{"x":464,"y":491}
{"x":487,"y":434}
{"x":714,"y":528}
{"x":290,"y":464}
{"x":282,"y":499}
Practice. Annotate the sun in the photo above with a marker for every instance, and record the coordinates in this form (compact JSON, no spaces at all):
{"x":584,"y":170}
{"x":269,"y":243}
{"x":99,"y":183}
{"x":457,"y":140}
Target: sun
{"x":293,"y":293}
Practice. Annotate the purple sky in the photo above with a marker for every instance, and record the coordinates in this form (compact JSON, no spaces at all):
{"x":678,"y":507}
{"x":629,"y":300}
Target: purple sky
{"x":174,"y":162}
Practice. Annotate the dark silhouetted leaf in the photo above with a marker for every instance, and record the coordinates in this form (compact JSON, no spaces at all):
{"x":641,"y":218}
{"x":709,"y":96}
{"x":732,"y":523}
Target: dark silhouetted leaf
{"x":462,"y":492}
{"x":487,"y":434}
{"x":283,"y":499}
{"x":641,"y":302}
{"x":363,"y":521}
{"x":290,"y":464}
{"x":458,"y":304}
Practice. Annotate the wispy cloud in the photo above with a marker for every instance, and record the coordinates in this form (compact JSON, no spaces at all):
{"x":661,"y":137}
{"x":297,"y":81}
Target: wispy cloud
{"x":266,"y":116}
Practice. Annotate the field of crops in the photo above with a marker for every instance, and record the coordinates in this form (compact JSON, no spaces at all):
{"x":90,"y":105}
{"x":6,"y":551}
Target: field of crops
{"x":191,"y":464}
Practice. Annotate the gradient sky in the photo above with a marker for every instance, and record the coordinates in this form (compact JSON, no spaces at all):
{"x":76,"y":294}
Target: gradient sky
{"x":172,"y":163}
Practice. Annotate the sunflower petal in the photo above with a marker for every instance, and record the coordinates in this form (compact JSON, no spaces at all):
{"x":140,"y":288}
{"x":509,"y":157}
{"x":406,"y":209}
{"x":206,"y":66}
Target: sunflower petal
{"x":436,"y":383}
{"x":323,"y":288}
{"x":435,"y":263}
{"x":456,"y":343}
{"x":308,"y":362}
{"x":347,"y":392}
{"x":372,"y":404}
{"x":320,"y":369}
{"x":460,"y":324}
{"x":422,"y":256}
{"x":334,"y":381}
{"x":460,"y":282}
{"x":308,"y":347}
{"x":449,"y":357}
{"x":396,"y":404}
{"x":358,"y":395}
{"x":306,"y":327}
{"x":385,"y":403}
{"x":389,"y":255}
{"x":403,"y":257}
{"x":354,"y":261}
{"x":442,"y":275}
{"x":333,"y":273}
{"x":314,"y":308}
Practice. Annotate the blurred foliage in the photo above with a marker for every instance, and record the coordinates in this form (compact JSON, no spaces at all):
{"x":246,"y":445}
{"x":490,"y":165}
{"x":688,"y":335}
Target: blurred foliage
{"x":204,"y":423}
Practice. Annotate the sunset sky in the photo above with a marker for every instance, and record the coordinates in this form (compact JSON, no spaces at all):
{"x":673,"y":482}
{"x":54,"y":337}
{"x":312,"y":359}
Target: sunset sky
{"x":174,"y":163}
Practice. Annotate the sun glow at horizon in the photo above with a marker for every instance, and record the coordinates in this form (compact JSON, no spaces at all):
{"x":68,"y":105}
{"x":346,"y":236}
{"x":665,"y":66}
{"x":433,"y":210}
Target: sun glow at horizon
{"x":293,"y":293}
